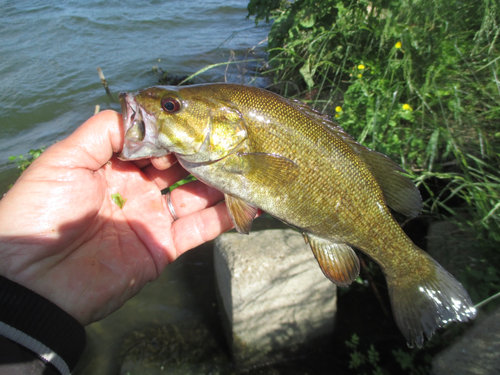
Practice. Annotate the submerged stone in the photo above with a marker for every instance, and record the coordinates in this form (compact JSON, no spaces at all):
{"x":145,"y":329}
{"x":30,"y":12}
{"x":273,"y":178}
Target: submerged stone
{"x":184,"y":348}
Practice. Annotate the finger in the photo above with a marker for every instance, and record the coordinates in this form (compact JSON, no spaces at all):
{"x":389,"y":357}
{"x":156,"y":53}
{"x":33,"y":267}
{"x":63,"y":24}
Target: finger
{"x":194,"y":196}
{"x":161,"y":163}
{"x":200,"y":227}
{"x":164,"y":179}
{"x":141,"y":163}
{"x":91,"y":145}
{"x":164,"y":162}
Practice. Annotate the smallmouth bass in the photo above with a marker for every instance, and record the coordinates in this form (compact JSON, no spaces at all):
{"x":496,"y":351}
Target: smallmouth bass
{"x":264,"y":151}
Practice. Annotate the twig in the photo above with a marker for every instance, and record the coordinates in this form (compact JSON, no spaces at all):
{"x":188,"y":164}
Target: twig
{"x":372,"y":283}
{"x":203,"y":70}
{"x":104,"y":82}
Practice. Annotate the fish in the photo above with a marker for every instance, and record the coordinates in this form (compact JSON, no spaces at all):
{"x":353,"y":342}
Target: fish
{"x":267,"y":152}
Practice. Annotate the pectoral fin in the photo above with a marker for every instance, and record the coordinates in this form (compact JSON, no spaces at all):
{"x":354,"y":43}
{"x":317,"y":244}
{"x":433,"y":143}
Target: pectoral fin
{"x":268,"y":169}
{"x":241,"y":212}
{"x":338,"y":261}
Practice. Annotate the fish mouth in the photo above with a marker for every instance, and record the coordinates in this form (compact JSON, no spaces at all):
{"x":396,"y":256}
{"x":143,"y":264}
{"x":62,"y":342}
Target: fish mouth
{"x":140,"y":131}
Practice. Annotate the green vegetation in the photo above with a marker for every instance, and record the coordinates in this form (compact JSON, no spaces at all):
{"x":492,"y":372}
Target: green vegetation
{"x":359,"y":361}
{"x":181,"y":182}
{"x":377,"y":359}
{"x":416,"y":80}
{"x":420,"y":82}
{"x":118,"y":199}
{"x":23,"y":161}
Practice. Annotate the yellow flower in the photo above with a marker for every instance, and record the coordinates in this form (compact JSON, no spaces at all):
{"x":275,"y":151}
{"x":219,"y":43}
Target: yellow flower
{"x":398,"y":45}
{"x":338,"y":109}
{"x":361,"y":67}
{"x":407,"y":107}
{"x":337,"y":115}
{"x":360,"y":75}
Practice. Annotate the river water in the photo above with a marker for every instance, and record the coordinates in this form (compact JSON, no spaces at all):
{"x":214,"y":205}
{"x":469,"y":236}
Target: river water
{"x":49,"y":52}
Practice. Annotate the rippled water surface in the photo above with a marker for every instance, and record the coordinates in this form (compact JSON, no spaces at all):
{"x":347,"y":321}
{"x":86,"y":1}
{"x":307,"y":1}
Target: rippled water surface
{"x":49,"y":52}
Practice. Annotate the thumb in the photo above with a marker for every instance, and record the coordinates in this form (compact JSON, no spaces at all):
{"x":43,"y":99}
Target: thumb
{"x":91,"y":145}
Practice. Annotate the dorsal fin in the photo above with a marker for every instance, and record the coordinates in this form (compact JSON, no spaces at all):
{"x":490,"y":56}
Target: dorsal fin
{"x":399,"y":191}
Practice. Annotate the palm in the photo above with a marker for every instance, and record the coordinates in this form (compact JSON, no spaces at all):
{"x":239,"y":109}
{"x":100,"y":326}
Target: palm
{"x":103,"y":249}
{"x":66,"y":238}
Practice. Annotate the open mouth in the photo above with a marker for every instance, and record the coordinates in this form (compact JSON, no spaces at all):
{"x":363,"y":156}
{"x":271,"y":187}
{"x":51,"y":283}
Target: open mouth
{"x":135,"y":129}
{"x":141,"y":134}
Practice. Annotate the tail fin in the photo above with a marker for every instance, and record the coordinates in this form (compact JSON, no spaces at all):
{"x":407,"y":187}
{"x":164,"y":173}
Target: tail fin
{"x":423,"y":304}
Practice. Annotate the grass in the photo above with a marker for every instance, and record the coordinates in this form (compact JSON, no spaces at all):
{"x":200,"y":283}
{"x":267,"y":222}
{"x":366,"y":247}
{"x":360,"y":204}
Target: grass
{"x":415,"y":80}
{"x":420,"y":82}
{"x":24,"y":161}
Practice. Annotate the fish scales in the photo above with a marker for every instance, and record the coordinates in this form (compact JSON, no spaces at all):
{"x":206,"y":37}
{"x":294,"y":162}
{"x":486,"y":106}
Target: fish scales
{"x":332,"y":159}
{"x":264,"y":151}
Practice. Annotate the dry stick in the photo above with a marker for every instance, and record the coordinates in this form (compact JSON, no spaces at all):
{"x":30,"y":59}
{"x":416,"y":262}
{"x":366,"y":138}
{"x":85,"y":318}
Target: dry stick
{"x":372,"y":283}
{"x":104,"y":82}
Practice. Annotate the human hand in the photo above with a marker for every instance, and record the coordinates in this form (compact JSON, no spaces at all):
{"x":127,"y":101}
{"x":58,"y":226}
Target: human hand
{"x":62,"y":236}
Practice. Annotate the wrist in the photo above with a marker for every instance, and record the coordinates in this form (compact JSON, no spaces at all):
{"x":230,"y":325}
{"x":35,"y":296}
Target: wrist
{"x":39,"y":325}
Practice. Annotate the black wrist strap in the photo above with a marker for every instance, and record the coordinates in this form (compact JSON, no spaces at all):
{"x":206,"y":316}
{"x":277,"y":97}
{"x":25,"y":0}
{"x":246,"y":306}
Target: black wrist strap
{"x":39,"y":325}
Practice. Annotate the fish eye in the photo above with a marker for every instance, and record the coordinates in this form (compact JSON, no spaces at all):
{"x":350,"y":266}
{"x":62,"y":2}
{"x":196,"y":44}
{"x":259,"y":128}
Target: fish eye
{"x":170,"y":105}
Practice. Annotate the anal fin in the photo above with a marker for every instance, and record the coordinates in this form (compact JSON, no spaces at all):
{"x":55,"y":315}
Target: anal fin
{"x":338,"y":261}
{"x":241,"y":212}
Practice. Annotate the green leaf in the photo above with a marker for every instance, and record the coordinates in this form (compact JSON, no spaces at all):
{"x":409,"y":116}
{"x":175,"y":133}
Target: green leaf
{"x":357,"y":359}
{"x":354,"y":341}
{"x":308,"y":21}
{"x":373,"y":356}
{"x":306,"y":74}
{"x":404,"y":359}
{"x":118,"y":199}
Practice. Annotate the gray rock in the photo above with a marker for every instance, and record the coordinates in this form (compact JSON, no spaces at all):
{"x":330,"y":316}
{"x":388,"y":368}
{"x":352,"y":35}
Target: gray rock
{"x":274,"y":297}
{"x":477,"y":352}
